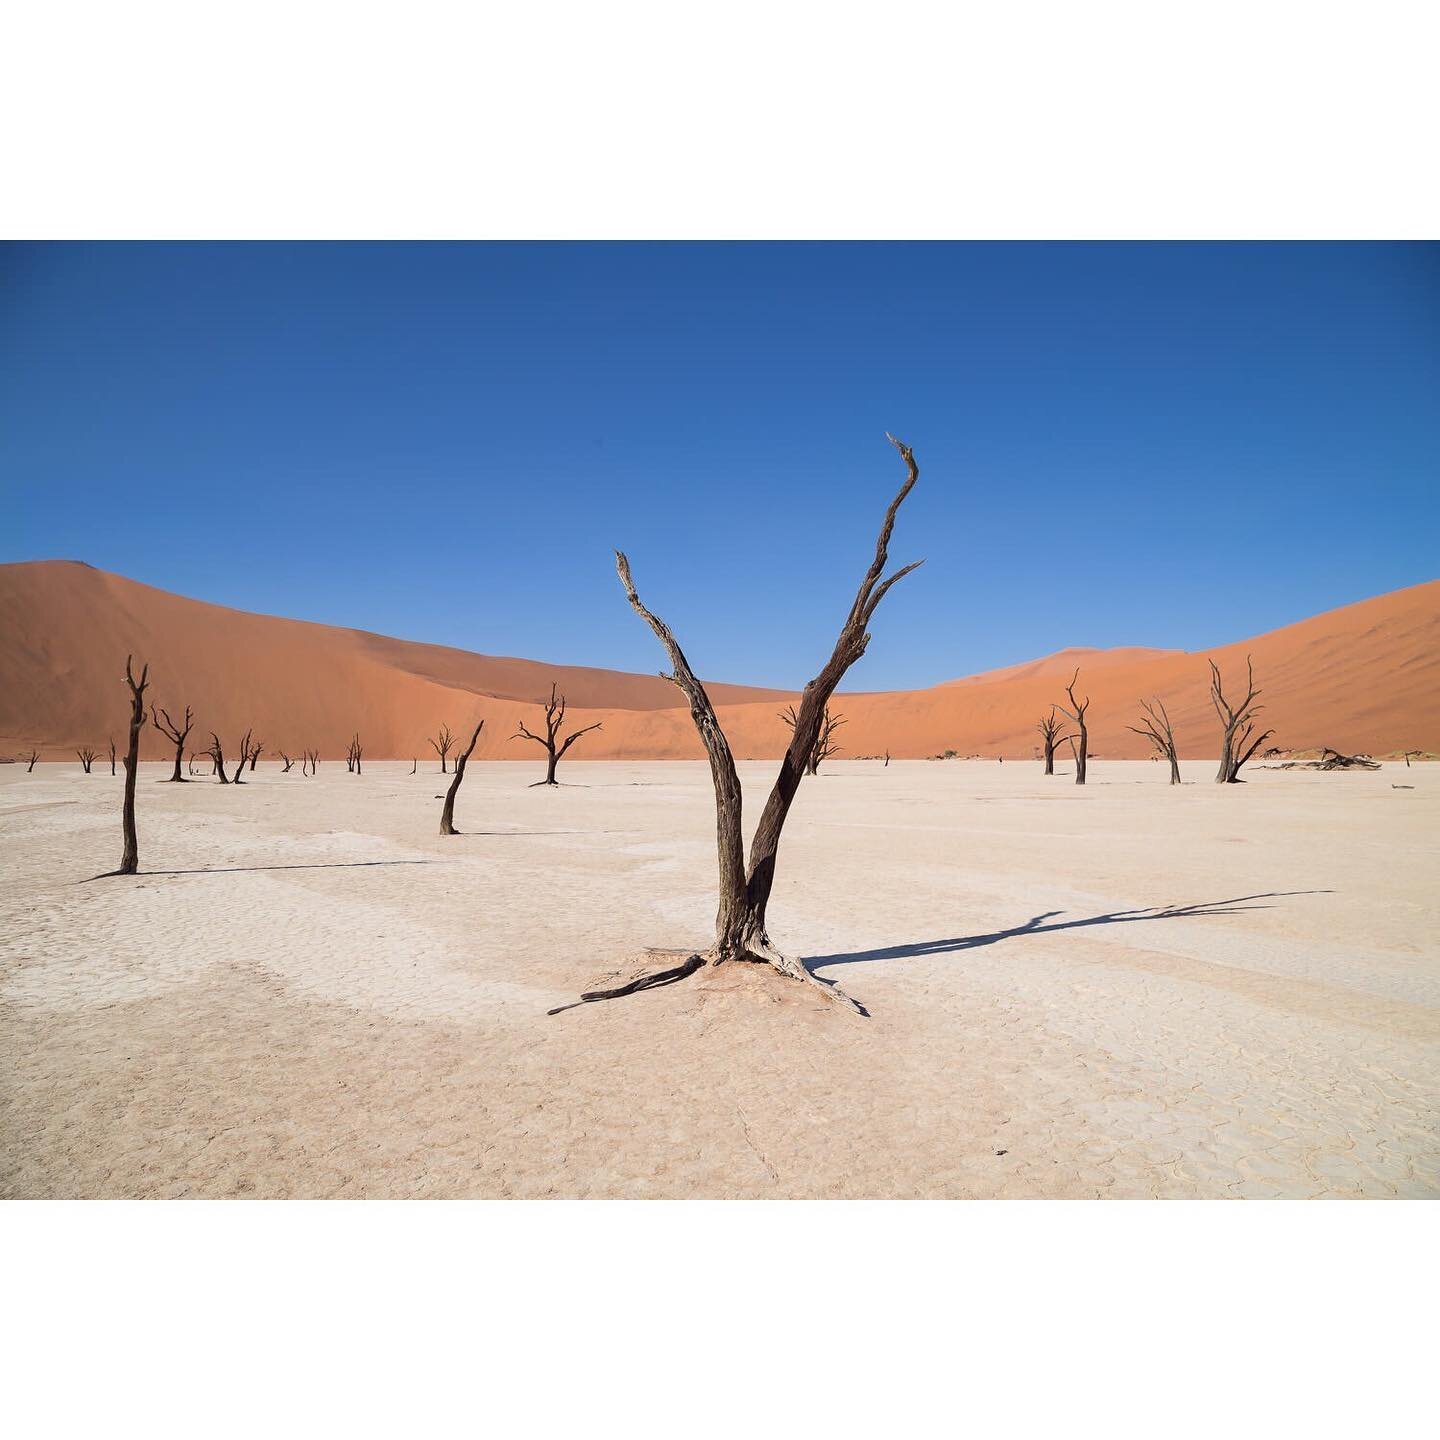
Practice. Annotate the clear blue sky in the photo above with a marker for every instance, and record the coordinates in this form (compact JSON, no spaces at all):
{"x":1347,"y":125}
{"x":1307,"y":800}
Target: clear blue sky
{"x":1141,"y":444}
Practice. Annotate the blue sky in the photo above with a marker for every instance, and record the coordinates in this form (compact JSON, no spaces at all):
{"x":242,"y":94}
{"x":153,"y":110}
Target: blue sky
{"x":1136,"y":444}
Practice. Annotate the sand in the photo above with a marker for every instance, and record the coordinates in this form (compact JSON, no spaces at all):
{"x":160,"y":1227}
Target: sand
{"x":309,"y":993}
{"x":1365,"y":677}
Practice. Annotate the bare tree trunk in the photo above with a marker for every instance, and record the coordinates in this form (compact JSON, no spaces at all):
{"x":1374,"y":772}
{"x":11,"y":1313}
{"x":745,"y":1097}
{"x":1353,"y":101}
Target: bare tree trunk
{"x":447,"y":815}
{"x":1237,"y":724}
{"x":1050,"y":728}
{"x":550,"y":740}
{"x":112,"y":755}
{"x":1082,"y":733}
{"x":217,"y":758}
{"x":130,"y":858}
{"x":414,"y":765}
{"x":87,"y":758}
{"x":35,"y":755}
{"x":1156,"y":728}
{"x":177,"y":734}
{"x":740,"y":919}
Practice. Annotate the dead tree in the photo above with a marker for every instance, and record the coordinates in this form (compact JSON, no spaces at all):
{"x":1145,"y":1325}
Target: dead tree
{"x":35,"y":755}
{"x":287,"y":761}
{"x":1155,"y":727}
{"x":352,"y":760}
{"x":825,"y":745}
{"x":243,"y":761}
{"x":112,"y":755}
{"x":217,"y":757}
{"x":87,"y":758}
{"x":740,"y":921}
{"x":1050,"y":728}
{"x":130,"y":859}
{"x":190,"y":763}
{"x":255,"y":750}
{"x":313,"y":759}
{"x":414,"y":765}
{"x":1237,"y":725}
{"x":549,"y":741}
{"x":887,"y":759}
{"x":1082,"y":735}
{"x":447,"y":815}
{"x":176,"y":734}
{"x":442,"y":744}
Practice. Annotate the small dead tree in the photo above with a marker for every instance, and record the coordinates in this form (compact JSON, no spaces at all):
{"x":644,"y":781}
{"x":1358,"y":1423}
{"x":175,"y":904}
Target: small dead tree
{"x":447,"y":814}
{"x":1050,"y":728}
{"x":87,"y":758}
{"x":217,"y":758}
{"x":243,"y":761}
{"x":1155,"y":727}
{"x":1080,"y":741}
{"x":550,"y":740}
{"x":352,"y":760}
{"x":442,"y":744}
{"x":130,"y":858}
{"x":176,"y":734}
{"x":288,"y":762}
{"x":112,"y":754}
{"x":740,"y":922}
{"x":825,"y":743}
{"x":35,"y":755}
{"x":313,"y":758}
{"x":1237,"y":725}
{"x":414,"y":765}
{"x":255,"y":750}
{"x":887,"y":759}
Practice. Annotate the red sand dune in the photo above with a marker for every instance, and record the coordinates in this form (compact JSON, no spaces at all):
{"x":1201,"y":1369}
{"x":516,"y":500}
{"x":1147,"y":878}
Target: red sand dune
{"x":1364,"y":677}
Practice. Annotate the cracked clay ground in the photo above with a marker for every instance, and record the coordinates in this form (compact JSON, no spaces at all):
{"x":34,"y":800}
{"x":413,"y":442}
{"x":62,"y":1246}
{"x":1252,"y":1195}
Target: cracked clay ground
{"x":1120,"y":991}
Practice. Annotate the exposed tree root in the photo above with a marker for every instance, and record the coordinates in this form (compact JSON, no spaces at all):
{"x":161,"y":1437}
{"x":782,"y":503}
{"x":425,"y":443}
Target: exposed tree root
{"x":791,"y":969}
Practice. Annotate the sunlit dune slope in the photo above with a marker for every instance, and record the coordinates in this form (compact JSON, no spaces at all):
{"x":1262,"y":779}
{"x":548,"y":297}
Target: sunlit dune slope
{"x":1364,"y":677}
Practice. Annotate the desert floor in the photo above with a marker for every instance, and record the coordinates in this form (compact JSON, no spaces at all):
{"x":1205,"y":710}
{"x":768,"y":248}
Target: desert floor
{"x":1121,"y":990}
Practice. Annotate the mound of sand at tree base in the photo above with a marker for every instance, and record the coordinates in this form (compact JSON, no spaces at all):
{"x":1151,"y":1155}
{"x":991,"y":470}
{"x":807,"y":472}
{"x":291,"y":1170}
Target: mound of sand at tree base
{"x":1362,"y":678}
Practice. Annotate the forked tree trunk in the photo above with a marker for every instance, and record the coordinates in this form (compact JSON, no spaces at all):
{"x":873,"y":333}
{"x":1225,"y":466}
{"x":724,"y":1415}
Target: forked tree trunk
{"x":447,"y":815}
{"x":130,"y":858}
{"x":35,"y":755}
{"x":1237,"y":725}
{"x":1156,"y":728}
{"x":740,"y":920}
{"x":1081,"y":738}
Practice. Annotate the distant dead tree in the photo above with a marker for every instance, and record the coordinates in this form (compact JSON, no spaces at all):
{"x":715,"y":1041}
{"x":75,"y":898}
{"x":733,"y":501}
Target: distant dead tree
{"x":176,"y":734}
{"x":112,"y":754}
{"x":887,"y":759}
{"x":550,"y":740}
{"x":190,"y":762}
{"x":414,"y":765}
{"x":1237,"y":725}
{"x":740,"y":921}
{"x":87,"y":758}
{"x":35,"y":755}
{"x":1076,"y":714}
{"x":1416,"y":753}
{"x":442,"y":744}
{"x":243,"y":761}
{"x":217,"y":758}
{"x":352,"y":759}
{"x":1155,"y":727}
{"x":130,"y":858}
{"x":255,"y":750}
{"x":825,"y":744}
{"x":288,"y":762}
{"x":447,"y":815}
{"x":1050,"y":728}
{"x":312,"y":758}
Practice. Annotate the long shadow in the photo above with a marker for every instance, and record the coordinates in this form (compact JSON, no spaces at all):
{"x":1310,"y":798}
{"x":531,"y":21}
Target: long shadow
{"x":1036,"y":926}
{"x":247,"y":869}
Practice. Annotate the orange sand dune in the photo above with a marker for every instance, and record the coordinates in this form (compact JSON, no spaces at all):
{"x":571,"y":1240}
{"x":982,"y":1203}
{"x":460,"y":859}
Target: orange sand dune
{"x":1364,"y":677}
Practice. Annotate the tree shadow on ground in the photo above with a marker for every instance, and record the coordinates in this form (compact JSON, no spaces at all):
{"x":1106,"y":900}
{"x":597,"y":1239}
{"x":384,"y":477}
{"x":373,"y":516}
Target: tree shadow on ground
{"x":247,"y":869}
{"x":1036,"y":926}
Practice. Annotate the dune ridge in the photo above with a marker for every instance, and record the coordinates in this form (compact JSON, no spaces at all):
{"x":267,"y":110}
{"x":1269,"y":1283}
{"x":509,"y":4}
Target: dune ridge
{"x":1362,"y":677}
